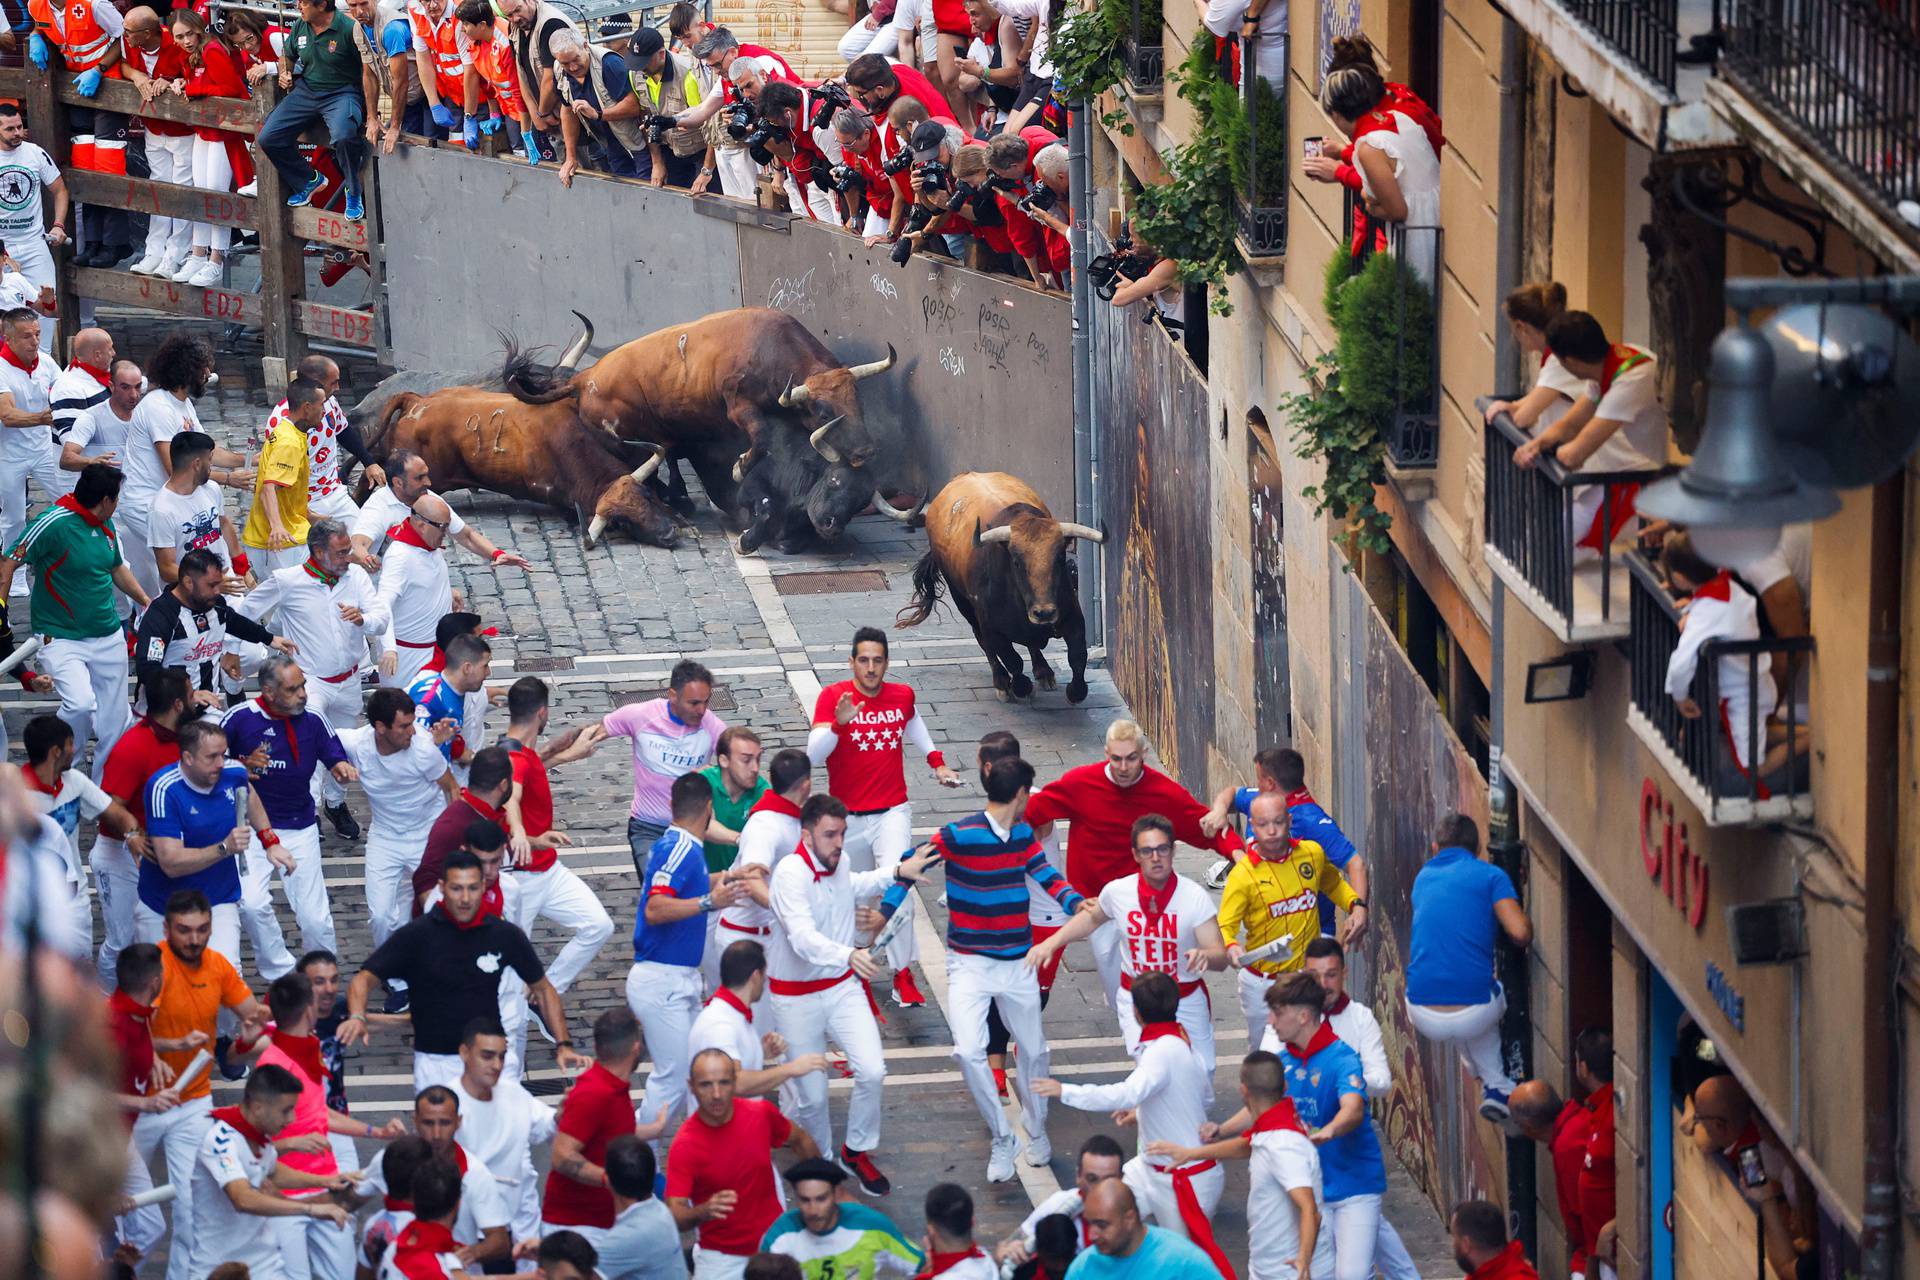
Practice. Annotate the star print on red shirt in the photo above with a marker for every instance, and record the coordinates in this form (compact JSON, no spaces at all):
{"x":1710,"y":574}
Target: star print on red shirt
{"x":865,"y":771}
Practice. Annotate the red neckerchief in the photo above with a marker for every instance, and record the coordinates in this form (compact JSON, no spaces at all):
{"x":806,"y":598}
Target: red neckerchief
{"x":806,"y":856}
{"x":233,"y":1117}
{"x":1719,"y":587}
{"x":1620,"y":358}
{"x":293,"y":739}
{"x":479,"y":918}
{"x":403,"y":532}
{"x":1153,"y":904}
{"x":1321,"y":1039}
{"x":480,"y":806}
{"x":1255,"y":857}
{"x":99,"y":375}
{"x":121,"y":1002}
{"x":725,"y":996}
{"x":34,"y":783}
{"x":1339,"y":1006}
{"x":438,"y":662}
{"x":396,"y":1205}
{"x":68,"y":502}
{"x":1414,"y":107}
{"x":305,"y":1052}
{"x":425,"y":1237}
{"x":1300,"y":797}
{"x":945,"y":1261}
{"x":315,"y":571}
{"x":493,"y":902}
{"x":7,"y":354}
{"x":1378,"y":120}
{"x":774,"y":802}
{"x":1154,"y":1030}
{"x":1281,"y":1117}
{"x":160,"y":732}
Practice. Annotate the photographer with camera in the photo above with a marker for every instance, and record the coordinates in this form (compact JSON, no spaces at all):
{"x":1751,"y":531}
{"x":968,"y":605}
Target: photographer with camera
{"x":1149,"y":278}
{"x":1011,"y":158}
{"x":937,"y":209}
{"x":871,"y":184}
{"x":668,"y":87}
{"x":789,"y":116}
{"x":721,"y":53}
{"x":877,"y":84}
{"x":597,"y":101}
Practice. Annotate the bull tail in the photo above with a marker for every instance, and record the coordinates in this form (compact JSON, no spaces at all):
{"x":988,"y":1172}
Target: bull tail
{"x":528,"y":380}
{"x":388,"y":416}
{"x":927,"y":583}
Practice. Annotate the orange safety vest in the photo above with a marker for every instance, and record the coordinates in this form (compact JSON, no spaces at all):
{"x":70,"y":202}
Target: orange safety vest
{"x":495,"y":63}
{"x":79,"y":37}
{"x":443,"y":43}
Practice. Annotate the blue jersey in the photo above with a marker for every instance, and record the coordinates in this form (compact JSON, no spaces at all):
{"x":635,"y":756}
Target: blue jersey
{"x":178,"y":810}
{"x":1454,"y":929}
{"x":1349,"y":1165}
{"x":437,"y":700}
{"x":1307,"y":821}
{"x":295,"y":747}
{"x":676,"y":867}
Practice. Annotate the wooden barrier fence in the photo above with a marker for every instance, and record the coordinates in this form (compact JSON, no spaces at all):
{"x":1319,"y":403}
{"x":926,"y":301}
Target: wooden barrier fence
{"x":281,"y":310}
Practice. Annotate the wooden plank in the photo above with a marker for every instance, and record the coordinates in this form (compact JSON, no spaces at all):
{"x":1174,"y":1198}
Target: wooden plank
{"x":242,"y":115}
{"x":167,"y":199}
{"x":334,"y":324}
{"x":123,"y":288}
{"x":319,"y":225}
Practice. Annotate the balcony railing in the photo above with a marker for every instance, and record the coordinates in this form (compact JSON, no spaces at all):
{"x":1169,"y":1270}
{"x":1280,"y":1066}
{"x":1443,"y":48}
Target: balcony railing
{"x":1843,"y":78}
{"x":1260,"y":204}
{"x":1413,"y":440}
{"x":1140,"y":48}
{"x":1644,"y":32}
{"x":1580,"y":594}
{"x":1697,"y":750}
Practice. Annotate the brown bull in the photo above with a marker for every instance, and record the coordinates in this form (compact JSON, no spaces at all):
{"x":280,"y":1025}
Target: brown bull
{"x":708,"y":389}
{"x":1003,"y":559}
{"x":477,"y":439}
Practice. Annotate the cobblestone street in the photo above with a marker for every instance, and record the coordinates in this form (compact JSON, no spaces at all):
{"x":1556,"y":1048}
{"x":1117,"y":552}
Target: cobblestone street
{"x":604,"y":627}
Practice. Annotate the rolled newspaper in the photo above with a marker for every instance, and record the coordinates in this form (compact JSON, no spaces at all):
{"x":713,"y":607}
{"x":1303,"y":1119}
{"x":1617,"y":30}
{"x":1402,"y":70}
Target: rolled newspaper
{"x":1275,"y":950}
{"x":21,"y":652}
{"x":894,"y":925}
{"x":195,"y":1065}
{"x":162,"y":1194}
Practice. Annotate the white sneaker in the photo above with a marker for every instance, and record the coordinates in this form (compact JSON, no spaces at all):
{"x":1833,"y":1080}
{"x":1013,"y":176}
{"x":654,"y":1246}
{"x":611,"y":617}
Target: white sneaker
{"x":188,"y":266}
{"x":1000,"y":1162}
{"x":1039,"y":1152}
{"x":209,"y":273}
{"x":251,"y":189}
{"x":149,"y":264}
{"x":169,"y":263}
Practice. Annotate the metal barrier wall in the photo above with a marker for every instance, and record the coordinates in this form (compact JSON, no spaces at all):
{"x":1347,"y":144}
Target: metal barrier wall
{"x":477,"y":246}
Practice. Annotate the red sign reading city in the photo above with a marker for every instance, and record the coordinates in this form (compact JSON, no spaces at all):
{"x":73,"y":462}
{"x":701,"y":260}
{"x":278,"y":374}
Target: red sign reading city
{"x":1668,"y":858}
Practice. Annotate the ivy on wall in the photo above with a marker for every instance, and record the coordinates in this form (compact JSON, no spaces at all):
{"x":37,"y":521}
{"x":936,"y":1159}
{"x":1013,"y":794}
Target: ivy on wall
{"x":1086,"y":51}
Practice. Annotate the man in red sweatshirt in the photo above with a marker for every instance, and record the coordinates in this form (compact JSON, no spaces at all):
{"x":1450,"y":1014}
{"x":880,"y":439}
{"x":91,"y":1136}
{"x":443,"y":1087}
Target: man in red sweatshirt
{"x":1102,"y":801}
{"x":1481,"y":1247}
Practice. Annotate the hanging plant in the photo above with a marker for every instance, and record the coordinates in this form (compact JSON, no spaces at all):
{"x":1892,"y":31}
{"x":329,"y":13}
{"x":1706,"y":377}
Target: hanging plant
{"x":1189,"y":218}
{"x":1085,"y":50}
{"x":1385,"y":322}
{"x":1327,"y":425}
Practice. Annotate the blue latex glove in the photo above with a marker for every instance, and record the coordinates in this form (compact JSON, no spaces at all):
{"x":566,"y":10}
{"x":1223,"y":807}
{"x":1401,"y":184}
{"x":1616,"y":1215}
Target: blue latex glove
{"x":531,"y":145}
{"x":38,"y":50}
{"x":470,"y":133}
{"x":491,"y":125}
{"x":88,"y":82}
{"x":444,"y":117}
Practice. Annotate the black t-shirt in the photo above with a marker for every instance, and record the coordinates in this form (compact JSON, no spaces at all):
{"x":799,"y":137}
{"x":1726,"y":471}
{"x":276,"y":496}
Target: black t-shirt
{"x":326,"y":1030}
{"x":454,"y":973}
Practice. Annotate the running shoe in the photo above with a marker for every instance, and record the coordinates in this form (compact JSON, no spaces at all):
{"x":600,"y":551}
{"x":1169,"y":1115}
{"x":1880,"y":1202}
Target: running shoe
{"x":861,"y":1165}
{"x":906,"y":992}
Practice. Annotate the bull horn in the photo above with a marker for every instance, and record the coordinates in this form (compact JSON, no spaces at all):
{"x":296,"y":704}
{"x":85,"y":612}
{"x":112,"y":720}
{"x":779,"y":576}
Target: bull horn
{"x":740,"y":466}
{"x":892,"y":512}
{"x":644,"y":472}
{"x":1003,"y":533}
{"x":570,"y":358}
{"x":819,"y":441}
{"x":875,"y":366}
{"x":596,"y":527}
{"x":796,"y":397}
{"x":1071,"y":530}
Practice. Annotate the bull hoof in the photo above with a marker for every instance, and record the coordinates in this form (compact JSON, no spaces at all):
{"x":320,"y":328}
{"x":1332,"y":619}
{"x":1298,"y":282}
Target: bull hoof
{"x":1076,"y":691}
{"x":1022,"y":687}
{"x":1046,"y":681}
{"x":1002,"y":694}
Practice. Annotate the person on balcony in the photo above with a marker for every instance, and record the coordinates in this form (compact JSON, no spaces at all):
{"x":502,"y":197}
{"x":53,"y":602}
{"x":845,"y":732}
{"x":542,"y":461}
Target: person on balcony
{"x":1620,"y":425}
{"x":1261,"y":27}
{"x":220,"y":157}
{"x":1394,"y":155}
{"x":1529,"y":310}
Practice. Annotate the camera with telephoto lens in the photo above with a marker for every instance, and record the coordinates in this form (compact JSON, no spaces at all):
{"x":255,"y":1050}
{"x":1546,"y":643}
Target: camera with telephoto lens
{"x":970,"y":194}
{"x":762,"y":133}
{"x":933,"y":175}
{"x":897,"y":163}
{"x":738,"y":117}
{"x":1040,"y":197}
{"x":828,"y":97}
{"x":1106,"y":270}
{"x":845,"y":178}
{"x":916,"y":223}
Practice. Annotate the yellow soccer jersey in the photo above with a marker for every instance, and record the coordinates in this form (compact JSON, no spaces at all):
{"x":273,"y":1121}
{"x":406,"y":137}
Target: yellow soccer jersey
{"x":1267,"y":899}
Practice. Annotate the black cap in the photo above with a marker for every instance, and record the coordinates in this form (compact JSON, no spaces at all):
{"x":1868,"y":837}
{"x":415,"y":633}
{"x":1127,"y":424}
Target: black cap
{"x":928,"y":137}
{"x":816,"y":1169}
{"x":646,"y":42}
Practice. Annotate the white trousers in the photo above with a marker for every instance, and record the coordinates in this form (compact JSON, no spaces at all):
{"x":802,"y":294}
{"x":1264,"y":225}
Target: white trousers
{"x":211,"y":172}
{"x":816,"y":202}
{"x":1474,"y":1033}
{"x":178,"y":1133}
{"x":35,"y":261}
{"x":738,"y":172}
{"x":80,"y":914}
{"x":306,"y":893}
{"x":337,"y":505}
{"x":1108,"y":960}
{"x":117,"y":880}
{"x":314,"y":1249}
{"x":859,"y":40}
{"x":666,"y":998}
{"x":149,"y":926}
{"x":513,"y":1020}
{"x":557,"y":894}
{"x":710,"y":1265}
{"x":881,"y":840}
{"x":171,"y":160}
{"x":1153,"y":1192}
{"x":19,"y":459}
{"x":340,"y":703}
{"x":842,"y":1012}
{"x":974,"y":984}
{"x":1253,"y":1002}
{"x":143,"y":1227}
{"x":91,"y":679}
{"x":435,"y":1068}
{"x":392,"y":857}
{"x":1196,"y":1018}
{"x":1364,"y":1240}
{"x":131,"y":524}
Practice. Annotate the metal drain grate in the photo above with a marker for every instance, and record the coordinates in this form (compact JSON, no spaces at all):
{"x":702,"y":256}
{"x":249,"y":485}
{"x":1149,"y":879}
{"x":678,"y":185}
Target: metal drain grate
{"x":543,"y":664}
{"x":722,"y":697}
{"x":829,"y":582}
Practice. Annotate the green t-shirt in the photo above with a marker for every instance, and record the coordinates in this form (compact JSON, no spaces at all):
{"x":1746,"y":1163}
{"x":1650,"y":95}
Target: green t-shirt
{"x":729,"y":813}
{"x":73,"y":560}
{"x":327,"y":59}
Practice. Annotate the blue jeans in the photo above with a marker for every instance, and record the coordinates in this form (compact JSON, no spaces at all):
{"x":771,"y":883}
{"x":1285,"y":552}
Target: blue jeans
{"x":344,"y":112}
{"x":640,"y":837}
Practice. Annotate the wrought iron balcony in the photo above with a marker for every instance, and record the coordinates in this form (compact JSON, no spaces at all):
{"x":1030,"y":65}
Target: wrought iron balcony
{"x":1413,"y":439}
{"x":1260,"y":204}
{"x":1699,"y":751}
{"x":1580,"y":593}
{"x":1644,"y":32}
{"x":1140,"y":48}
{"x":1842,"y":78}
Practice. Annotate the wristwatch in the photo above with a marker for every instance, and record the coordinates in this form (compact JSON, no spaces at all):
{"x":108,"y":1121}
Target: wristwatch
{"x":706,"y":903}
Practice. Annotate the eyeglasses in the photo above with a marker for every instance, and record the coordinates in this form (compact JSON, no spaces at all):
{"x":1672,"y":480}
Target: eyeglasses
{"x":438,"y":524}
{"x":1154,"y":850}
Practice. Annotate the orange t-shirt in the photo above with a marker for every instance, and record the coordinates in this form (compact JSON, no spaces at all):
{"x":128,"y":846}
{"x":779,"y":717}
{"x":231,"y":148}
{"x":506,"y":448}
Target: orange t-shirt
{"x":190,"y":1000}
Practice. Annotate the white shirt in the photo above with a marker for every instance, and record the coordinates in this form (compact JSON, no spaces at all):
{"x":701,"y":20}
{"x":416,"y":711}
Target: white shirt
{"x":1792,"y":558}
{"x":382,"y":511}
{"x":1035,"y":11}
{"x":157,"y":419}
{"x":24,"y":172}
{"x":502,"y":1132}
{"x":1356,"y":1025}
{"x":323,"y":446}
{"x":1157,"y":946}
{"x":77,"y":797}
{"x":1281,"y":1161}
{"x":100,"y":431}
{"x":17,"y":291}
{"x":482,"y":1207}
{"x":764,"y":839}
{"x":75,"y":394}
{"x":723,"y":1027}
{"x":186,"y":522}
{"x":31,"y":393}
{"x":1042,"y":907}
{"x":36,"y":888}
{"x":1223,"y":19}
{"x":309,"y":615}
{"x":1168,"y":1085}
{"x":1633,"y":400}
{"x":815,"y":915}
{"x":1737,"y":617}
{"x":418,"y":591}
{"x":403,"y":788}
{"x":221,"y":1233}
{"x":382,"y":1229}
{"x":1067,"y":1202}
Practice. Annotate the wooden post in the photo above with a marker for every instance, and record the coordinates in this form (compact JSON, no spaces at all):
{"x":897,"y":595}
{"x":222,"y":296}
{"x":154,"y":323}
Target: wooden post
{"x":283,"y":271}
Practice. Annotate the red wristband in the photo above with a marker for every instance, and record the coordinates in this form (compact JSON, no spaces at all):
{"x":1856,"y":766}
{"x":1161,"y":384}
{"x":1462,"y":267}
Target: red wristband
{"x":499,"y":553}
{"x":242,"y":565}
{"x":268,"y":838}
{"x":935,"y":760}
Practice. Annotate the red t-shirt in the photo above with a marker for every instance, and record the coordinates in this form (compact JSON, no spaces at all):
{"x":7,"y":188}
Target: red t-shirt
{"x":536,"y":801}
{"x":865,"y":770}
{"x":1597,"y":1194}
{"x":1027,"y":235}
{"x":706,"y":1158}
{"x":127,"y":1023}
{"x":1100,"y":846}
{"x":596,"y":1111}
{"x":141,"y":752}
{"x":916,"y":86}
{"x":1572,"y":1129}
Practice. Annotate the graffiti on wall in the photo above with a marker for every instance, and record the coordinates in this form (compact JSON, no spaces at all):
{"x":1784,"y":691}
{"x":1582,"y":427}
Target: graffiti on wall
{"x":1272,"y":695}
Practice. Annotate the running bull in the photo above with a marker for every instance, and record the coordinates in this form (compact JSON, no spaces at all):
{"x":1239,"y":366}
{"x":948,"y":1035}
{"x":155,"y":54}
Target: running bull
{"x":1002,"y":558}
